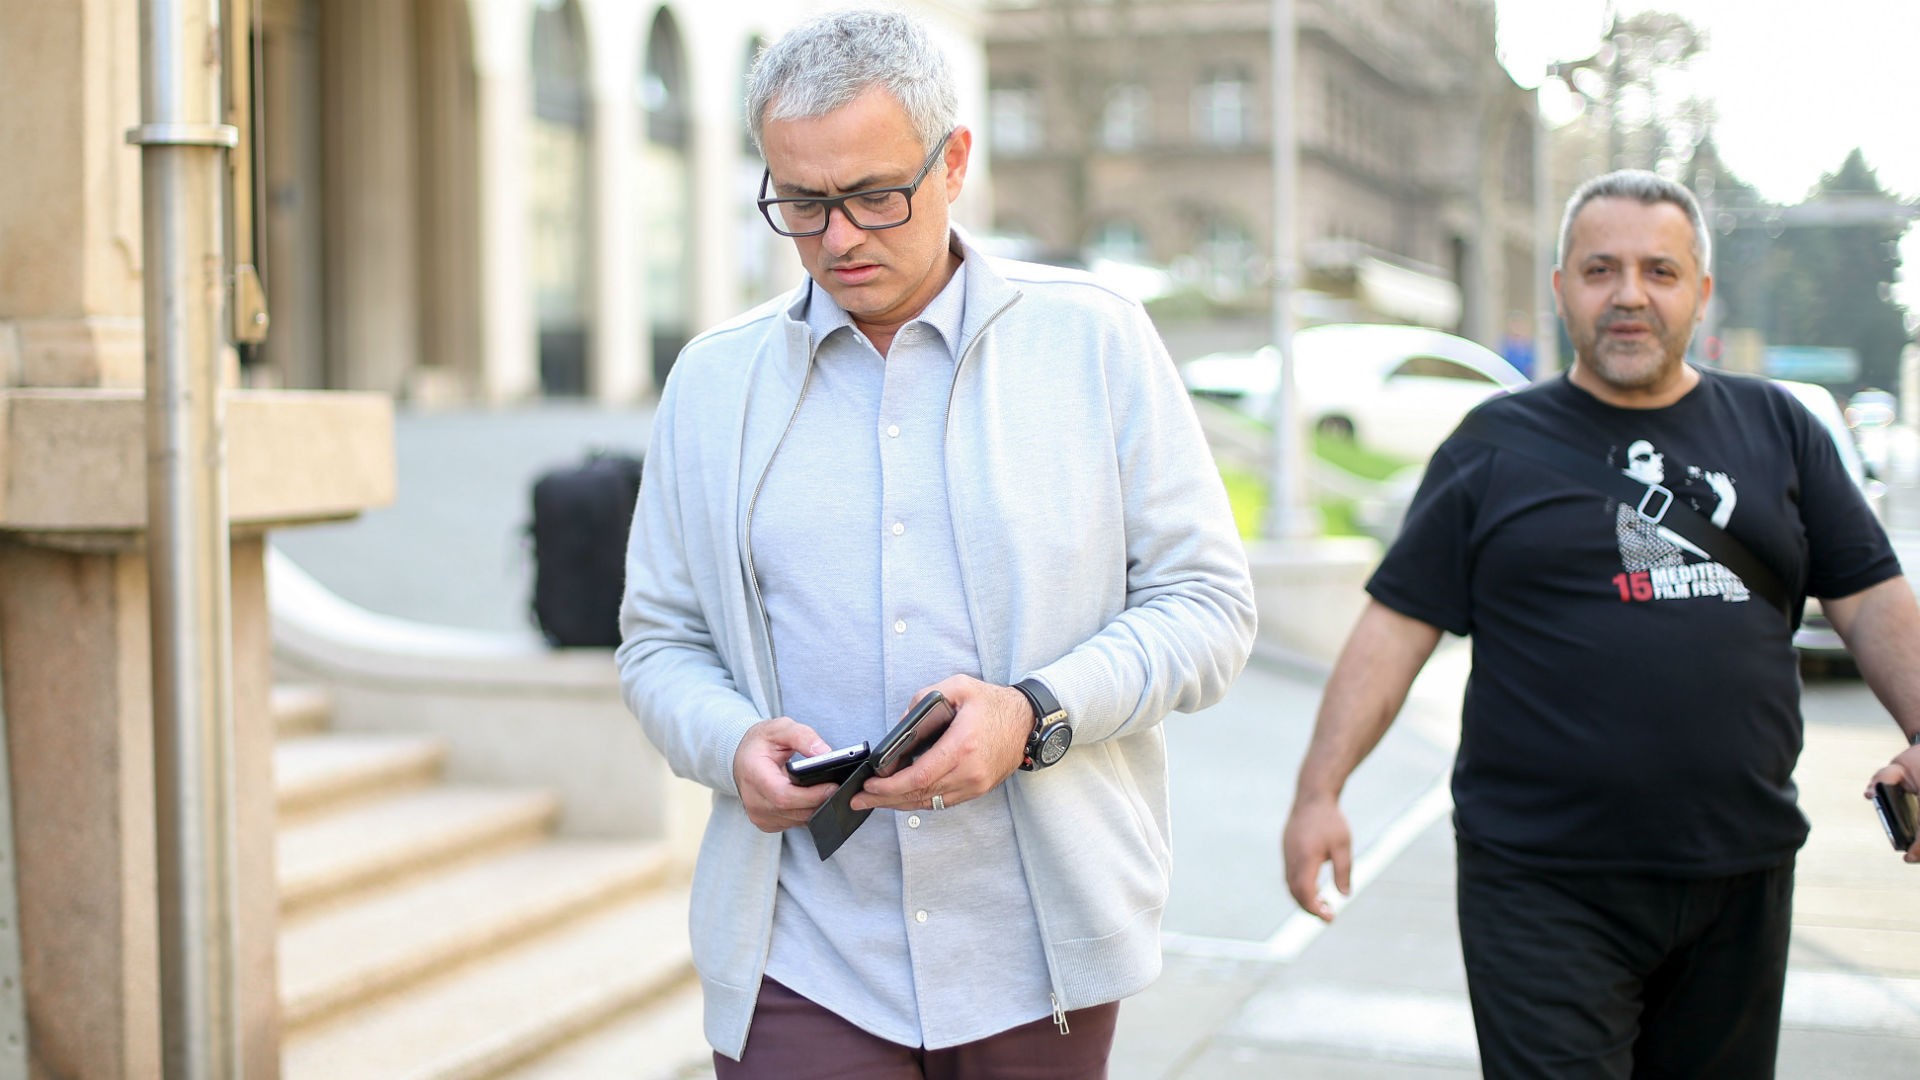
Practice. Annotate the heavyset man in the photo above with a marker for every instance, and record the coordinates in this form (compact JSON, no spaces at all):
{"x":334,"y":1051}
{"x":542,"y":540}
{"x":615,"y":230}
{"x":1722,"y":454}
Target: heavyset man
{"x":1625,"y":814}
{"x":922,"y":469}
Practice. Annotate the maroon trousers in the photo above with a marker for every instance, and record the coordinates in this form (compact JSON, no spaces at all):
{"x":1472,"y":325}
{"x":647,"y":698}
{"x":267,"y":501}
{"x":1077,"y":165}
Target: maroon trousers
{"x":794,"y":1039}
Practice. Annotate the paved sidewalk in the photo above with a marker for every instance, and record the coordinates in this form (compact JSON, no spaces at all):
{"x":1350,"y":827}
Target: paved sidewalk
{"x":1381,"y":993}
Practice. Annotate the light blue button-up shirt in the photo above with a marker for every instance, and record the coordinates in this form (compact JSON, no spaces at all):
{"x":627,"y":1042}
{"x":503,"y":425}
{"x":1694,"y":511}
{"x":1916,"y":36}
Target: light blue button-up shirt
{"x":920,"y":929}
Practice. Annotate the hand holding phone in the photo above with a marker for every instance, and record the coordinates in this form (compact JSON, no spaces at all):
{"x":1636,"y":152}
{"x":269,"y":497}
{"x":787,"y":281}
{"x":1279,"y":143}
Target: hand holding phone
{"x":1899,"y":812}
{"x":832,"y":767}
{"x":919,"y":729}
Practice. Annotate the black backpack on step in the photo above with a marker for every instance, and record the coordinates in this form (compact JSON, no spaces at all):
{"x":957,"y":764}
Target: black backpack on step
{"x":581,"y":515}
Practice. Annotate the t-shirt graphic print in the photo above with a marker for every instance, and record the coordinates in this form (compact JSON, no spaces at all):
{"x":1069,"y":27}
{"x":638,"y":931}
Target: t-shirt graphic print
{"x":1654,"y":559}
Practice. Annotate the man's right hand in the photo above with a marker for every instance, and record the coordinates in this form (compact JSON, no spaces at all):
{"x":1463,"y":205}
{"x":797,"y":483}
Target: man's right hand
{"x":773,"y":801}
{"x":1317,"y":833}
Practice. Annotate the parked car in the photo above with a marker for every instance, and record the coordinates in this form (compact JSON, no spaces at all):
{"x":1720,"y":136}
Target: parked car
{"x":1871,"y":413}
{"x":1816,"y":638}
{"x":1396,"y":390}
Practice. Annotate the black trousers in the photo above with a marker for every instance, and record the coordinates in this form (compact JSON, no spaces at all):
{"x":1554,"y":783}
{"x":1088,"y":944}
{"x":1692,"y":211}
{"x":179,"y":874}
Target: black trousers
{"x":1623,"y":975}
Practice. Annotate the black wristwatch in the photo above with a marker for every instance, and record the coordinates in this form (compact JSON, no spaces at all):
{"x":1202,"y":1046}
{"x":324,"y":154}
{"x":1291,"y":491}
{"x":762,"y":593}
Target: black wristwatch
{"x":1051,"y":735}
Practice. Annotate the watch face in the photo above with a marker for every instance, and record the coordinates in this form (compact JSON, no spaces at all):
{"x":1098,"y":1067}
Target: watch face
{"x":1054,"y":743}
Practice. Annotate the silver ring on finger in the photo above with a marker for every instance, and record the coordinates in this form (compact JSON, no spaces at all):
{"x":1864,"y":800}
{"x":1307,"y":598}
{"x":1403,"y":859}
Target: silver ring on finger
{"x":939,"y":803}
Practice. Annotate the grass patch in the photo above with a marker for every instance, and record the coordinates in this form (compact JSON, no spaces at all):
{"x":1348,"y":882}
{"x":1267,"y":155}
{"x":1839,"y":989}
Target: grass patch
{"x":1247,"y":493}
{"x":1350,"y":456}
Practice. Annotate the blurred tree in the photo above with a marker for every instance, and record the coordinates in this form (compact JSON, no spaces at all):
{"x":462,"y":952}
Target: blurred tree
{"x":1641,"y":112}
{"x":1820,"y":273}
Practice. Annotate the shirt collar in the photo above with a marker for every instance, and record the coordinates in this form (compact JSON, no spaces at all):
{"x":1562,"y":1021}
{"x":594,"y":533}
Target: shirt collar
{"x":945,"y":313}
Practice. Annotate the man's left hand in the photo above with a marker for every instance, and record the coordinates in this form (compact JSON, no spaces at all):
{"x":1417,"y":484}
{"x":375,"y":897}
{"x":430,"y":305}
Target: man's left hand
{"x":981,"y":748}
{"x":1902,"y":771}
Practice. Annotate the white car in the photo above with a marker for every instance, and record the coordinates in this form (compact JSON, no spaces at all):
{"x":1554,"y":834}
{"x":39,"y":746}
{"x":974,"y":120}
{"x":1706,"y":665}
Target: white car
{"x":1816,"y":637}
{"x":1396,"y":390}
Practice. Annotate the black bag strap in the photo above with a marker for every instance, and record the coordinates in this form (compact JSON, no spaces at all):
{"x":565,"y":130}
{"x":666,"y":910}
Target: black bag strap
{"x":1653,"y":502}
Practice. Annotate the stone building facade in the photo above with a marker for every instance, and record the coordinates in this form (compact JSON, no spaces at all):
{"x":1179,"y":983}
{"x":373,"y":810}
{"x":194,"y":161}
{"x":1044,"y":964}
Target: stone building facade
{"x":1141,"y":130}
{"x":495,"y":200}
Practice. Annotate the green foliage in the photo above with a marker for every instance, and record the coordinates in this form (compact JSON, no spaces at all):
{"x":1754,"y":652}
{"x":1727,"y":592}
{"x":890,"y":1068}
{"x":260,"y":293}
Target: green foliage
{"x":1247,"y":494}
{"x":1823,"y":285}
{"x":1354,"y":458}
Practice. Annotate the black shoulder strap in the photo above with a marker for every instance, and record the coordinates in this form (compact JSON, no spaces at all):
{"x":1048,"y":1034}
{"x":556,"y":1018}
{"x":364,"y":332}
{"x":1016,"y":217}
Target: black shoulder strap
{"x":1653,"y":502}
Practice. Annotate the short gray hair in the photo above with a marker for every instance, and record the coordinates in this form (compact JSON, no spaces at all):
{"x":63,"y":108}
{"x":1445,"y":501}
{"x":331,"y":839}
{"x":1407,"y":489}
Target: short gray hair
{"x":823,"y":64}
{"x":1645,"y":188}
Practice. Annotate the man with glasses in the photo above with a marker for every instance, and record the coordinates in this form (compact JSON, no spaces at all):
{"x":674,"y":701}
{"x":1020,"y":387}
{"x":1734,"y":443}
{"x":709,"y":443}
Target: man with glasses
{"x":922,"y":470}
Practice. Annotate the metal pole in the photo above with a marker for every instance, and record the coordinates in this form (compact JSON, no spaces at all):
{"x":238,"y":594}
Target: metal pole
{"x":183,"y":166}
{"x":1546,"y":241}
{"x":1288,"y":516}
{"x":13,"y":998}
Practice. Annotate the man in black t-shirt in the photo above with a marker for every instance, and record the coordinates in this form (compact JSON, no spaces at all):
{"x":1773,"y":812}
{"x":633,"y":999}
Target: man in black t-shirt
{"x":1625,"y":811}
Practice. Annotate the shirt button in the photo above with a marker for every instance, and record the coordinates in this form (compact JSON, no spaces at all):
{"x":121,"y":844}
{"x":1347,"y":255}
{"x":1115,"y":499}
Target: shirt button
{"x":913,"y":821}
{"x":893,"y":431}
{"x":919,"y":916}
{"x":898,"y":528}
{"x":900,"y":626}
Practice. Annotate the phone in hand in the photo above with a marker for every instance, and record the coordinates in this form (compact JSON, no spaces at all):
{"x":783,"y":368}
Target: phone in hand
{"x":1899,"y":813}
{"x":832,"y":767}
{"x":924,"y":723}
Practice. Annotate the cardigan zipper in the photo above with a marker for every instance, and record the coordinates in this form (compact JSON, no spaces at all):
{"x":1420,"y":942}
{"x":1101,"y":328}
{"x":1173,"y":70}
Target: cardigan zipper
{"x":753,"y":573}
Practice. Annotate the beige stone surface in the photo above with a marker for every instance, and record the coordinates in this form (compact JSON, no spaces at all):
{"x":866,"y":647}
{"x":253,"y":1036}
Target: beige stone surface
{"x":70,"y":189}
{"x":479,"y":1019}
{"x":351,"y":953}
{"x":92,"y":351}
{"x":73,"y":631}
{"x":408,"y":832}
{"x":1309,"y":592}
{"x":74,"y":461}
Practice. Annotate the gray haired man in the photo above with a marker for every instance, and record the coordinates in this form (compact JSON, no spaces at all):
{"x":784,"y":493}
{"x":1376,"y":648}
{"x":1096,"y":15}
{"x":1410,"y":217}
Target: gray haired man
{"x":1624,"y":805}
{"x":922,"y":470}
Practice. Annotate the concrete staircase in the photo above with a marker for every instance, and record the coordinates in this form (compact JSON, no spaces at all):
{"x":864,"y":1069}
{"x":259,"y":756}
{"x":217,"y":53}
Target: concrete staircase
{"x":433,"y":931}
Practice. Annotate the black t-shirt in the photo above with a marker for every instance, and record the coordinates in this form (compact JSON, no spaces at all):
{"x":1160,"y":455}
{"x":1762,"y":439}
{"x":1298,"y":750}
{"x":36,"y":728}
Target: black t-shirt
{"x":1632,"y":706}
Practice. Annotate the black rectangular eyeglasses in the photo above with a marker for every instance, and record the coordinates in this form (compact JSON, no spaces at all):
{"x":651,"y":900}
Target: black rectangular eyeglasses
{"x":874,"y":208}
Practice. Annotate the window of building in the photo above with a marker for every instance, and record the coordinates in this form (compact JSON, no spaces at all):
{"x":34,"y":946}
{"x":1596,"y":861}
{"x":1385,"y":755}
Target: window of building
{"x":1220,"y":108}
{"x":1227,"y":256}
{"x":666,"y":171}
{"x":1124,"y":121}
{"x":1013,"y":110}
{"x":557,"y":195}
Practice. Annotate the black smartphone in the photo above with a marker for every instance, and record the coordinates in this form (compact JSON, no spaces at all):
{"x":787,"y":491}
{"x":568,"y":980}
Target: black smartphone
{"x":831,"y":767}
{"x":925,"y":722}
{"x":1899,"y":813}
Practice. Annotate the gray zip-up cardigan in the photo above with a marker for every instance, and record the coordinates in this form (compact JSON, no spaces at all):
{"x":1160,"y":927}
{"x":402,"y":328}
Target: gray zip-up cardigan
{"x":1097,"y":551}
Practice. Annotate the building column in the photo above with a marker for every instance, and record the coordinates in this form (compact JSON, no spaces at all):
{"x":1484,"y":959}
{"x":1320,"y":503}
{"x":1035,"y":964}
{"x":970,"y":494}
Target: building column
{"x":70,"y":195}
{"x":372,"y":215}
{"x":503,"y":92}
{"x":713,"y":157}
{"x":615,"y":33}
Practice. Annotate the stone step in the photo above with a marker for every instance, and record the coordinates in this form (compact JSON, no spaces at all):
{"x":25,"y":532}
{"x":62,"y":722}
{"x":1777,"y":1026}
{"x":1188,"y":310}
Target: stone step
{"x":386,"y":840}
{"x":659,"y":1041}
{"x":315,"y":771}
{"x":485,"y":1017}
{"x":300,"y":710}
{"x":347,"y":954}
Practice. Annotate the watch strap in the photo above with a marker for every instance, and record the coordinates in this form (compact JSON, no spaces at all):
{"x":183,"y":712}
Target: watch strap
{"x":1046,"y":712}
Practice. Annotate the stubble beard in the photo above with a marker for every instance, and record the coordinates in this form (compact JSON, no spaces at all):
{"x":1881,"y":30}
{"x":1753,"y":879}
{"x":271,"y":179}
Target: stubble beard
{"x":1633,"y":365}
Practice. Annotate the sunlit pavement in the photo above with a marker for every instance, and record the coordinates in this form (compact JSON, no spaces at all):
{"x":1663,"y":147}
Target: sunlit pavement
{"x":1251,"y":988}
{"x":1260,"y":990}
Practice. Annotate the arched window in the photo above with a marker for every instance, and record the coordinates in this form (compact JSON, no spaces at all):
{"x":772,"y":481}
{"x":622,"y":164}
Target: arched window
{"x":667,"y":180}
{"x":557,"y":190}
